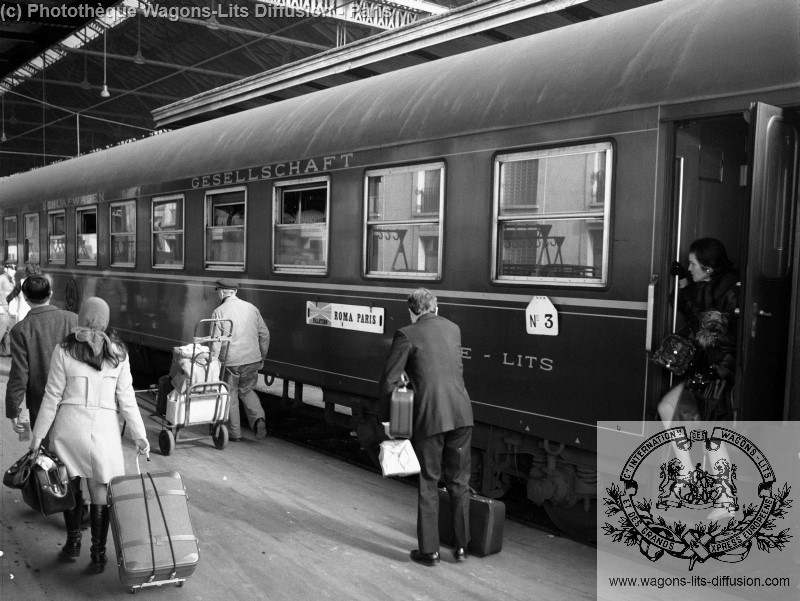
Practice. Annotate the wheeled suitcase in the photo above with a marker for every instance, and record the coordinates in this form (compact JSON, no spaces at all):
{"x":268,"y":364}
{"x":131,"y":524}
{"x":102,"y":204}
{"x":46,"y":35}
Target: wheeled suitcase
{"x":401,"y":412}
{"x":152,"y":530}
{"x":486,"y":519}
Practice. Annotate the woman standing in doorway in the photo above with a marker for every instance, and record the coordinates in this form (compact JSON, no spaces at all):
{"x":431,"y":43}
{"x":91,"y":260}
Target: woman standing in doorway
{"x":709,"y":303}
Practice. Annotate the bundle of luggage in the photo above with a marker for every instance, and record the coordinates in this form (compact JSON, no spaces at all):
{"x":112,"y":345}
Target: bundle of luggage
{"x":191,"y":364}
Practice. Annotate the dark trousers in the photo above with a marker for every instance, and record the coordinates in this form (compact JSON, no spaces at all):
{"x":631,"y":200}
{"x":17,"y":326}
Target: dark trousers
{"x":448,"y":451}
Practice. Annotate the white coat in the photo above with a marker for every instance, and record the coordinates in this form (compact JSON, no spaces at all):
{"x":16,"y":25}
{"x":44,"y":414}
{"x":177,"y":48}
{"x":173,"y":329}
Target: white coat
{"x":81,"y":404}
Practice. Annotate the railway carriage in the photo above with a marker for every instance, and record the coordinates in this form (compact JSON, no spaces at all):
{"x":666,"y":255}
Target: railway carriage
{"x":540,"y":187}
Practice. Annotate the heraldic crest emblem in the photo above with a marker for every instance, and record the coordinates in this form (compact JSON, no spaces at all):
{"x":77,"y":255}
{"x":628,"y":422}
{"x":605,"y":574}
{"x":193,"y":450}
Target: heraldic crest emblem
{"x":729,"y":538}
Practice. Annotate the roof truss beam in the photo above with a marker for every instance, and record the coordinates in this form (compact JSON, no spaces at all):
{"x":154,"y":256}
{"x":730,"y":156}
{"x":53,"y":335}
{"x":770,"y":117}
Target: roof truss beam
{"x":147,"y":61}
{"x":468,"y":20}
{"x":380,"y":14}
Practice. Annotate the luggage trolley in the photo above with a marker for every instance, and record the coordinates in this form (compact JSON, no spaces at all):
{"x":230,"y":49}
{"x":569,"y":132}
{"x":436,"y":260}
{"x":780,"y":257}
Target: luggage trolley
{"x":202,"y":398}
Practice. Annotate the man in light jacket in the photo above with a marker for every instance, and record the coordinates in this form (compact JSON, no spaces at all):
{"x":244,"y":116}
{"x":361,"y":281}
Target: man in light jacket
{"x":248,"y":348}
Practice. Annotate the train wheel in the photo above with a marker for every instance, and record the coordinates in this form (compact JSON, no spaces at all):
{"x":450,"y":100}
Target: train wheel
{"x":220,"y":436}
{"x":576,"y":522}
{"x":166,"y":442}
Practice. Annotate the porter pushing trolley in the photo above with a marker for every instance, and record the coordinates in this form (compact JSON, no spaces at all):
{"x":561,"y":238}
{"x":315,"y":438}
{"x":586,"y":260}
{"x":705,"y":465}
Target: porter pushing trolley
{"x":198,"y":396}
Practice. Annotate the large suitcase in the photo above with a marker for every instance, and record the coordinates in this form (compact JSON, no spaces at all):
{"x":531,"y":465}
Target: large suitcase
{"x":152,"y":530}
{"x":486,"y":519}
{"x":401,"y":412}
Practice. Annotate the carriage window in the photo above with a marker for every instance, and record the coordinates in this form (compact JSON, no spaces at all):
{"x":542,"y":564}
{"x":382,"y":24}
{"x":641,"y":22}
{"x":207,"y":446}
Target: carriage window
{"x":123,"y":233}
{"x":404,"y":222}
{"x":551,"y":211}
{"x":168,"y":232}
{"x":225,"y":229}
{"x":10,"y":239}
{"x":56,"y":234}
{"x":30,"y":243}
{"x":86,"y":228}
{"x":300,"y":242}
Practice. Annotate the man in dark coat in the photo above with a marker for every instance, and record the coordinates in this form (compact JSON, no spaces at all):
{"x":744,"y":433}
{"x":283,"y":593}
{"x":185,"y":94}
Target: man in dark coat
{"x":429,"y":351}
{"x":32,"y":343}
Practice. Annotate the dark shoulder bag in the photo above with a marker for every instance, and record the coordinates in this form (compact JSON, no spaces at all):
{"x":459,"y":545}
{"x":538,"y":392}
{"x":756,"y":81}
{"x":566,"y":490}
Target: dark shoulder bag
{"x":17,"y":475}
{"x":675,"y":353}
{"x":48,"y":490}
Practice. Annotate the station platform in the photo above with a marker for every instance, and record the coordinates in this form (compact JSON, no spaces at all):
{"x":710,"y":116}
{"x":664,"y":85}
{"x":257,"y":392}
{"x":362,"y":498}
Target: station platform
{"x":279,"y":521}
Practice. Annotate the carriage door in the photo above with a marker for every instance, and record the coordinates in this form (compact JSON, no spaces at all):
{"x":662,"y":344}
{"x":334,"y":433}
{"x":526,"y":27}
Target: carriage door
{"x":767,"y":260}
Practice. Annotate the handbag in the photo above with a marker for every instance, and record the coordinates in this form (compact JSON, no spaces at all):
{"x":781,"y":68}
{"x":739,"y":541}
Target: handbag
{"x":397,"y":458}
{"x":675,"y":353}
{"x":17,"y":475}
{"x":47,"y":490}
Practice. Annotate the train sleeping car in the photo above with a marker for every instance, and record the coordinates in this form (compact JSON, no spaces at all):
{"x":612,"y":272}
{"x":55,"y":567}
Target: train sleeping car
{"x":541,"y":188}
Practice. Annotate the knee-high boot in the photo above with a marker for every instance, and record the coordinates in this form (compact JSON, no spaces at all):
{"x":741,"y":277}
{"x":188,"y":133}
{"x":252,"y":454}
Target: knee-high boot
{"x":72,"y":522}
{"x":99,"y":518}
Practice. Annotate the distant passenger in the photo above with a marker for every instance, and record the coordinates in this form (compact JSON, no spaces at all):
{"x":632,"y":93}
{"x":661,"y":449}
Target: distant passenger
{"x":237,"y":217}
{"x":18,"y":307}
{"x":89,"y":383}
{"x":709,"y":303}
{"x":429,"y":352}
{"x":6,"y":320}
{"x":32,"y":344}
{"x":246,"y":353}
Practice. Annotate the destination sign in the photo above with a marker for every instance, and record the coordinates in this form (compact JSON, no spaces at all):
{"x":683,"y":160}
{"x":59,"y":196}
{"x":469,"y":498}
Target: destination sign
{"x":348,"y":317}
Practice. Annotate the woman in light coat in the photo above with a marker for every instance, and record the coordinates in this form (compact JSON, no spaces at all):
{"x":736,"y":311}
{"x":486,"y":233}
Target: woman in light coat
{"x":89,"y":381}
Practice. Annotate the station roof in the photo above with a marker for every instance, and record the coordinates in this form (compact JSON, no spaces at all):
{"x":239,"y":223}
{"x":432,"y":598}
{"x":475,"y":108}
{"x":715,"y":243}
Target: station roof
{"x":172,"y":64}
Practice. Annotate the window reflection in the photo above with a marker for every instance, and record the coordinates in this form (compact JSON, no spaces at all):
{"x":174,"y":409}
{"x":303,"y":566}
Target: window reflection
{"x":404,"y":221}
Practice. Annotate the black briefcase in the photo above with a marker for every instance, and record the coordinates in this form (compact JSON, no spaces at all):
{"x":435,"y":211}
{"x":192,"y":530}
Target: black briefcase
{"x":486,"y":519}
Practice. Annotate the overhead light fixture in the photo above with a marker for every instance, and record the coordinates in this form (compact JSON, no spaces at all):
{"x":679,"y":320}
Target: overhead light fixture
{"x":138,"y":59}
{"x":104,"y":93}
{"x":3,"y":136}
{"x":85,"y":85}
{"x":212,"y":22}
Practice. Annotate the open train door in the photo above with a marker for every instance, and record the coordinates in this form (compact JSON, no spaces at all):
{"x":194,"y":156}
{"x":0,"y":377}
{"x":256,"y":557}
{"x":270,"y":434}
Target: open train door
{"x":765,"y":311}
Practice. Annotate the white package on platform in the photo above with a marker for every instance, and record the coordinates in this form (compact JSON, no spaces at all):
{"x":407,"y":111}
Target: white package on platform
{"x":203,"y":407}
{"x":397,"y":458}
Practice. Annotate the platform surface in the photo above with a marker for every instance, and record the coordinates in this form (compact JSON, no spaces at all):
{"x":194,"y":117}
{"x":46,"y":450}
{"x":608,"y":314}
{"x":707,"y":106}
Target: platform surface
{"x":278,"y":521}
